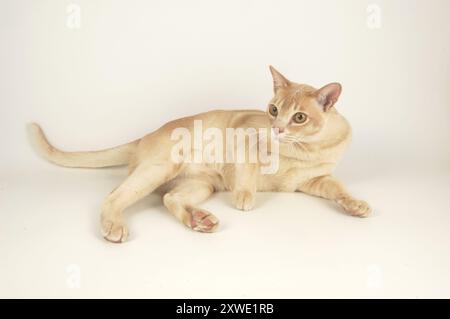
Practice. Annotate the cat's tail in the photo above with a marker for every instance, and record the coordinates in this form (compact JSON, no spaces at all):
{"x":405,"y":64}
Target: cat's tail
{"x":115,"y":156}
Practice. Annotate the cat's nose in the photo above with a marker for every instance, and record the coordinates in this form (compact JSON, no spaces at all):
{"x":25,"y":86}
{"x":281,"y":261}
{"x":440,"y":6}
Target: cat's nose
{"x":277,"y":130}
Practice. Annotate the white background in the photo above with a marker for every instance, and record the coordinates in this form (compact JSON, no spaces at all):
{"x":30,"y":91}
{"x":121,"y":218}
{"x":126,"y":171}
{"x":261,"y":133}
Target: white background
{"x":133,"y":65}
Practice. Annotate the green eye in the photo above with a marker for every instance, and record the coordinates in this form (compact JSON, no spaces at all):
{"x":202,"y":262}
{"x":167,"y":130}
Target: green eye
{"x":273,"y":110}
{"x":299,"y":117}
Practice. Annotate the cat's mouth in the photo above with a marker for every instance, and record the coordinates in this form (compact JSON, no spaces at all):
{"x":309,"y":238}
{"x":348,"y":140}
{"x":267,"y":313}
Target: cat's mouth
{"x":282,"y":137}
{"x":283,"y":140}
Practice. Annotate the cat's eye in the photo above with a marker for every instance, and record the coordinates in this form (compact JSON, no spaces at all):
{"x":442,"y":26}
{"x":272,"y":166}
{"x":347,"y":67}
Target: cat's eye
{"x":273,"y":110}
{"x":299,"y":117}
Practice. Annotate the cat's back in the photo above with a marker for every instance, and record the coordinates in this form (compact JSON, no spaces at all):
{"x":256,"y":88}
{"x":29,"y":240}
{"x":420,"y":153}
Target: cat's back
{"x":233,"y":118}
{"x":221,"y":119}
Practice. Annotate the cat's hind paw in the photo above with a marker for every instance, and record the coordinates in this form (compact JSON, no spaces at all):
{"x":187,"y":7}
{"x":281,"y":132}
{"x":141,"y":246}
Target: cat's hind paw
{"x":201,"y":220}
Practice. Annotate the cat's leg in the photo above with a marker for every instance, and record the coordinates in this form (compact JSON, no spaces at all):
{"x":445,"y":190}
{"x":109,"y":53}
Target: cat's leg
{"x":143,"y":180}
{"x":181,"y":201}
{"x":330,"y":188}
{"x":244,"y":190}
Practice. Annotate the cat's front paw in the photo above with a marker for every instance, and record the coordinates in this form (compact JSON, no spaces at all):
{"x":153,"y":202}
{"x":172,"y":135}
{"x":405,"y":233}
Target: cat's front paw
{"x":244,"y":200}
{"x":355,"y":207}
{"x":114,"y":231}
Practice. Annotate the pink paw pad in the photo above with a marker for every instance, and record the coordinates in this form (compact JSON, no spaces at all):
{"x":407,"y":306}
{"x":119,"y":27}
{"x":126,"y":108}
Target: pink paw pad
{"x":203,"y":221}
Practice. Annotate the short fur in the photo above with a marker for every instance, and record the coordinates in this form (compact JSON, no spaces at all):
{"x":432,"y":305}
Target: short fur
{"x":308,"y":153}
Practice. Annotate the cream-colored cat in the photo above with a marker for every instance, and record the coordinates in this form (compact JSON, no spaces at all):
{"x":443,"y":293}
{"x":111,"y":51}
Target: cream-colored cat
{"x":312,"y":136}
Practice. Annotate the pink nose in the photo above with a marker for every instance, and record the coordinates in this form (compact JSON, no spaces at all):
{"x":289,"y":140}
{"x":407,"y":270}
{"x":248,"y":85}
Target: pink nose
{"x":279,"y":129}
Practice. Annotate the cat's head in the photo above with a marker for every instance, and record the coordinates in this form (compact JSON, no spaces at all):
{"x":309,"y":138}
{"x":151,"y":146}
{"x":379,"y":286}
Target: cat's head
{"x":299,"y":112}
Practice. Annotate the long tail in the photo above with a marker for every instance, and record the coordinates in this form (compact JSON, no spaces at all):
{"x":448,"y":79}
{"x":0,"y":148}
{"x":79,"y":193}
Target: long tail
{"x":119,"y":155}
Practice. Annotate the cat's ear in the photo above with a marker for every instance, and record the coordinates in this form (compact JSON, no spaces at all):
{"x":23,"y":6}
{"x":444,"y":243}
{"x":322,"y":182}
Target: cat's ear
{"x":328,"y":95}
{"x":279,"y":81}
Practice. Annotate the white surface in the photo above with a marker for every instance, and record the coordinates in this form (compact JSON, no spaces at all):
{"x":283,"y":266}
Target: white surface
{"x":134,"y":65}
{"x":291,"y":245}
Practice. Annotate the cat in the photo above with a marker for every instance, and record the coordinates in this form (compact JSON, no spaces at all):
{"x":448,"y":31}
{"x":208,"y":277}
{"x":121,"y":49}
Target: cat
{"x":303,"y":123}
